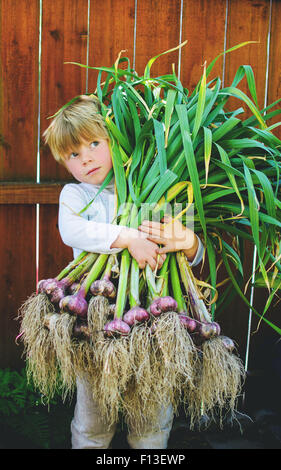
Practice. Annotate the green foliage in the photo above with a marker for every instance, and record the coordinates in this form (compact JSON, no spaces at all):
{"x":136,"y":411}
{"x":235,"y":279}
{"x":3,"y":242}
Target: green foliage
{"x":22,"y":408}
{"x":232,"y":163}
{"x":16,"y":394}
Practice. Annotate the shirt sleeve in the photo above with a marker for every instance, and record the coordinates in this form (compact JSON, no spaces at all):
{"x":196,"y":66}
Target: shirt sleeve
{"x":199,"y":254}
{"x":80,"y":233}
{"x":89,"y":235}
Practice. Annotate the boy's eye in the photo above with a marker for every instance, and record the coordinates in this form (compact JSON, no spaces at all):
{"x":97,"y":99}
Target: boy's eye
{"x":73,"y":155}
{"x":94,"y":144}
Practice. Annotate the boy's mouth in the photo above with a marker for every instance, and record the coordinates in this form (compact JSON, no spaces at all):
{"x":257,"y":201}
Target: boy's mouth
{"x":92,"y":171}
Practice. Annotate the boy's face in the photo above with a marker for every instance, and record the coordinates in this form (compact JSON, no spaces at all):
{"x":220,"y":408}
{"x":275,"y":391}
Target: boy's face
{"x":91,"y":162}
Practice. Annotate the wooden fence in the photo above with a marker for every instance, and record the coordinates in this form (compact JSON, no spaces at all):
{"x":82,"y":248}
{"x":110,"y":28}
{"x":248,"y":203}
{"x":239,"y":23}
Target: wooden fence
{"x":37,"y":38}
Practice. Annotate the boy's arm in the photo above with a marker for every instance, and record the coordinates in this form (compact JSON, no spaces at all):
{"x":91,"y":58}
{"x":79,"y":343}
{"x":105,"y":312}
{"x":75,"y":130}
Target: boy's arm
{"x":101,"y":237}
{"x":79,"y":232}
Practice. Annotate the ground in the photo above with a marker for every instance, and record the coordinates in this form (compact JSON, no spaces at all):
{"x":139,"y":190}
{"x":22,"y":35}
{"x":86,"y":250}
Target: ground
{"x":262,"y":431}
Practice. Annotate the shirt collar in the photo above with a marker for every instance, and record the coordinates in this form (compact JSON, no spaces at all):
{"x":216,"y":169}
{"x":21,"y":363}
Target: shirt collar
{"x":90,"y":187}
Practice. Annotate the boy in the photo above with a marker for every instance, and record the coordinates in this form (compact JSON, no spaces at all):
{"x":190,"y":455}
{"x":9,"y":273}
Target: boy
{"x":78,"y":139}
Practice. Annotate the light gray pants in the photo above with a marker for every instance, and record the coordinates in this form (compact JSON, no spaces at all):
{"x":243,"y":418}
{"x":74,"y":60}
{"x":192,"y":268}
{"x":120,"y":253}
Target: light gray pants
{"x":88,"y":430}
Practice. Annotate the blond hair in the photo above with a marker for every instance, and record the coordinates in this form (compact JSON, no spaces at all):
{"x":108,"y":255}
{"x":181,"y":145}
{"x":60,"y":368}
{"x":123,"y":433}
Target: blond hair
{"x":79,"y":121}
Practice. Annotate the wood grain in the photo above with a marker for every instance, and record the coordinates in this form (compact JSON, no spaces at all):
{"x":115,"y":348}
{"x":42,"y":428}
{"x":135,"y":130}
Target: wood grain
{"x":158,"y":30}
{"x":53,"y":254}
{"x":111,"y":31}
{"x":274,"y":78}
{"x":64,"y":39}
{"x":203,"y":27}
{"x":247,"y":21}
{"x":17,"y":275}
{"x":30,"y":193}
{"x":19,"y":32}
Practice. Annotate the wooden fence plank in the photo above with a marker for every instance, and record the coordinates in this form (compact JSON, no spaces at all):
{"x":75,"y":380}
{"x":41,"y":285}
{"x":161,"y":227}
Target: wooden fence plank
{"x":203,"y":27}
{"x":30,"y":193}
{"x":18,"y":88}
{"x":247,"y":22}
{"x":17,"y":275}
{"x":274,"y":78}
{"x":157,"y":30}
{"x":18,"y":145}
{"x":54,"y":255}
{"x":64,"y":39}
{"x":111,"y":30}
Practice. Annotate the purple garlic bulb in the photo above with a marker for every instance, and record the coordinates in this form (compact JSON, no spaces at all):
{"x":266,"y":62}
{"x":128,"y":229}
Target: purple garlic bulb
{"x":46,"y":283}
{"x":136,"y":315}
{"x":54,"y":289}
{"x":228,"y":343}
{"x":189,"y":323}
{"x":103,"y":287}
{"x":73,"y":288}
{"x":56,"y":295}
{"x":162,"y":305}
{"x":117,"y":326}
{"x":75,"y":304}
{"x":111,"y":309}
{"x":41,"y":285}
{"x":209,"y":330}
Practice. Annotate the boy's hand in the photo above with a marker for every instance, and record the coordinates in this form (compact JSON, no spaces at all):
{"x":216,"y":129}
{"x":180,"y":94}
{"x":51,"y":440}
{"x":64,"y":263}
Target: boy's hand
{"x":140,"y":247}
{"x":172,"y":235}
{"x":145,"y":251}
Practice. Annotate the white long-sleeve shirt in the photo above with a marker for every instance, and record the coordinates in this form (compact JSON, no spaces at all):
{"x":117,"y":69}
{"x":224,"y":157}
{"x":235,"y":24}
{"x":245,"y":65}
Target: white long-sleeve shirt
{"x":93,"y":230}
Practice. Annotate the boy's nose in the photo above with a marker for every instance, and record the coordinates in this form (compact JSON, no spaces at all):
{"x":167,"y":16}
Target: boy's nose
{"x":86,"y":156}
